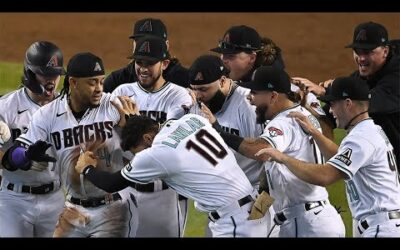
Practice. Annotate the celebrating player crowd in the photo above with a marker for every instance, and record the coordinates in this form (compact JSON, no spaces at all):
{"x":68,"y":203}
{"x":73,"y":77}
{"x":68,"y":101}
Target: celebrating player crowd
{"x":120,"y":156}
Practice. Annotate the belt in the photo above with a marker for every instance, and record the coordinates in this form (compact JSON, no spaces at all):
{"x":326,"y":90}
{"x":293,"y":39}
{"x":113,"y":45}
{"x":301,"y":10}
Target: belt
{"x":43,"y":189}
{"x":364,"y":225}
{"x":149,"y":187}
{"x":95,"y":202}
{"x":214,"y":216}
{"x":281,"y":217}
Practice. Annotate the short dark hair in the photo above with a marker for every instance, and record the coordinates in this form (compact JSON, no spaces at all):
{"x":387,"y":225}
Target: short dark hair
{"x":136,"y":126}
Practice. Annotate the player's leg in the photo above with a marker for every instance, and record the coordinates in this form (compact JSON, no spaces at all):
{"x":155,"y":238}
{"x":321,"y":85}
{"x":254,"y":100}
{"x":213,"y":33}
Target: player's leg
{"x":16,"y":214}
{"x":51,"y":205}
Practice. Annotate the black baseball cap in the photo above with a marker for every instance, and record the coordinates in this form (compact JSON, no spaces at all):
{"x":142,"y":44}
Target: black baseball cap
{"x":206,"y":69}
{"x":238,"y":39}
{"x":149,"y":26}
{"x":85,"y":64}
{"x":369,"y":36}
{"x":347,"y":87}
{"x":150,"y":48}
{"x":269,"y":78}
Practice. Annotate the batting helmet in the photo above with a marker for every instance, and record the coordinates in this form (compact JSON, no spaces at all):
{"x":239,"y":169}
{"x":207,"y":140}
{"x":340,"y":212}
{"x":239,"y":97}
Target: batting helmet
{"x":43,"y":58}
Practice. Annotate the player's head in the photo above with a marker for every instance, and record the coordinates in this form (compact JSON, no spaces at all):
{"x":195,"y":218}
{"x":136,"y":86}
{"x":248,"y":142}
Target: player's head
{"x":151,"y":60}
{"x":270,"y":88}
{"x":149,"y":26}
{"x":370,"y":47}
{"x":238,"y":49}
{"x":138,"y":133}
{"x":207,"y":78}
{"x":348,"y":98}
{"x":43,"y":66}
{"x":84,"y":80}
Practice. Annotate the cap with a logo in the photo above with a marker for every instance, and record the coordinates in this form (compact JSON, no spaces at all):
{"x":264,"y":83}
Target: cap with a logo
{"x":85,"y":64}
{"x":149,"y":26}
{"x":268,"y":78}
{"x":206,"y":69}
{"x":238,"y":39}
{"x":347,"y":87}
{"x":369,"y":36}
{"x":151,"y":49}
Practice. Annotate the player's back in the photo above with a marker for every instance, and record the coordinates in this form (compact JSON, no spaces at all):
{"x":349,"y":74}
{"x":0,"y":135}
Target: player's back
{"x":199,"y":163}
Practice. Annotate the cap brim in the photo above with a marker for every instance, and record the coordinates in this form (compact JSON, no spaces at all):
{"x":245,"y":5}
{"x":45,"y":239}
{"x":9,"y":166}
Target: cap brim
{"x":362,"y":46}
{"x":149,"y":59}
{"x":327,"y":98}
{"x":253,"y":86}
{"x":225,"y":51}
{"x":48,"y":71}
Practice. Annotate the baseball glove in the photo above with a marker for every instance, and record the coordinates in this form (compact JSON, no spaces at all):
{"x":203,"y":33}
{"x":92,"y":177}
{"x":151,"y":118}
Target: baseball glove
{"x":260,"y":206}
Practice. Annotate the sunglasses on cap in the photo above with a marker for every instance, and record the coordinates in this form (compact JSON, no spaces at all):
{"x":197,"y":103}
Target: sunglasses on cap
{"x":230,"y":46}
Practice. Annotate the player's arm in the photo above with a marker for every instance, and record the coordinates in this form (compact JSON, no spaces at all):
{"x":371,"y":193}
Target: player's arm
{"x":317,"y":174}
{"x":5,"y":135}
{"x":327,"y":146}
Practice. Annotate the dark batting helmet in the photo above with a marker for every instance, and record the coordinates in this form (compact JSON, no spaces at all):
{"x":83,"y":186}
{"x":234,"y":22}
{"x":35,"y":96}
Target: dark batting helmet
{"x":42,"y":58}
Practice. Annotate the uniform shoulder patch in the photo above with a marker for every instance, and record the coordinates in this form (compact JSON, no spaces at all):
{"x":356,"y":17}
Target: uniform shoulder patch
{"x":129,"y":167}
{"x":345,"y":156}
{"x":273,"y":132}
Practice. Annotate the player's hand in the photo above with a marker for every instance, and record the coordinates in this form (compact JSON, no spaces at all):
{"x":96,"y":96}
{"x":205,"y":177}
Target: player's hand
{"x":85,"y":159}
{"x":5,"y":133}
{"x":127,"y":108}
{"x":37,"y":152}
{"x":39,"y":166}
{"x":207,"y":113}
{"x":270,"y":154}
{"x":326,"y":83}
{"x":304,"y":122}
{"x":308,"y":86}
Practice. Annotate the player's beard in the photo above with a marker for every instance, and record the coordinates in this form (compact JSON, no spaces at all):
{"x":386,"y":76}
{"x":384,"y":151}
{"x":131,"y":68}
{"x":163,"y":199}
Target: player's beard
{"x":216,"y":102}
{"x":149,"y":85}
{"x":260,"y":112}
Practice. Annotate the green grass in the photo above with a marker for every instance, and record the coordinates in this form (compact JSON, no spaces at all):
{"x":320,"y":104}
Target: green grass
{"x":10,"y":79}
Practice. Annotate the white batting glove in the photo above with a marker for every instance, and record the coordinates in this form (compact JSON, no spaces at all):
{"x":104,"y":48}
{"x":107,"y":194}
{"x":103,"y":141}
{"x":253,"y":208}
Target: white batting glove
{"x":39,"y":166}
{"x":5,"y":133}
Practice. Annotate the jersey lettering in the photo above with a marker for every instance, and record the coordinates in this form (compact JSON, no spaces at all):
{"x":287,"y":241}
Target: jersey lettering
{"x":158,"y":116}
{"x":230,"y":130}
{"x":181,"y":133}
{"x":72,"y":137}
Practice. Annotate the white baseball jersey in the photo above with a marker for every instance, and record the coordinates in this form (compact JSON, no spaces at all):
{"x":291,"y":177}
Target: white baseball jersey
{"x":56,"y":124}
{"x":161,"y":105}
{"x":367,"y":158}
{"x":16,"y":109}
{"x":286,"y":135}
{"x":193,"y":159}
{"x":237,"y":116}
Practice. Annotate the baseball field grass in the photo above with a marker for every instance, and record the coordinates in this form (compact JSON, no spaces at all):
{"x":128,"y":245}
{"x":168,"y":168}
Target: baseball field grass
{"x":10,"y":78}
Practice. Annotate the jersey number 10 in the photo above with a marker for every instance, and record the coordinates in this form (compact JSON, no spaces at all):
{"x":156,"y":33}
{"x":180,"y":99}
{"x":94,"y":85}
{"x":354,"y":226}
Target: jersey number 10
{"x":211,"y":144}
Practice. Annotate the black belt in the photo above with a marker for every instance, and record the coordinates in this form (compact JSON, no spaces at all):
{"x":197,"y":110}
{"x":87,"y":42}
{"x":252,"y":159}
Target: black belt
{"x":364,"y":224}
{"x":215,"y":216}
{"x":43,"y":189}
{"x":149,"y":187}
{"x":280,"y":217}
{"x":95,"y":202}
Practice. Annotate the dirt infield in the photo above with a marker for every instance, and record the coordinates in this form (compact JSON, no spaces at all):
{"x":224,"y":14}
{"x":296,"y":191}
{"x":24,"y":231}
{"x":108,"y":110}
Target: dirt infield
{"x":313,"y":43}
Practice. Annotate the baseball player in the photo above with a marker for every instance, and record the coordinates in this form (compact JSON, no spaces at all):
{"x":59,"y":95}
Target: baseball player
{"x":174,"y":72}
{"x":302,"y":209}
{"x":31,"y":200}
{"x":226,"y":101}
{"x":159,"y":212}
{"x":365,"y":160}
{"x":72,"y":124}
{"x":191,"y":157}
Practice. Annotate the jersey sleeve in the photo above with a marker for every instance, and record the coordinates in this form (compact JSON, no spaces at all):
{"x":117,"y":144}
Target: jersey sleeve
{"x":180,"y":106}
{"x":144,"y":168}
{"x":353,"y":153}
{"x":278,"y":134}
{"x":38,"y":128}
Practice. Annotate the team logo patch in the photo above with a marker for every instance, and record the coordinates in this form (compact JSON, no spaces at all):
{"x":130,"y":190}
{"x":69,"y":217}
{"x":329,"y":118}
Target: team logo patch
{"x":227,"y":38}
{"x":146,"y":26}
{"x":273,"y":132}
{"x":199,"y":77}
{"x":129,"y":167}
{"x":53,"y":62}
{"x":145,"y":48}
{"x":97,"y":67}
{"x":345,"y":156}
